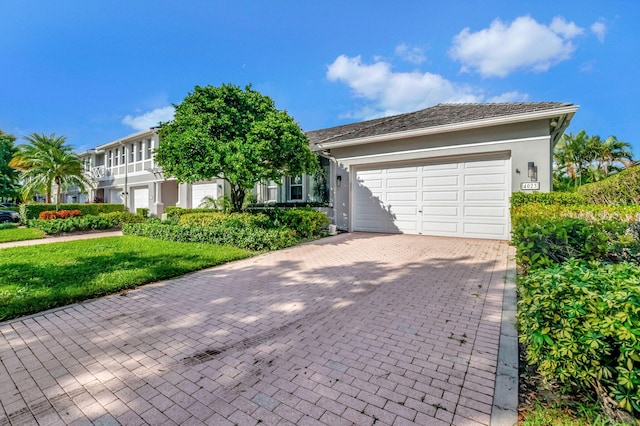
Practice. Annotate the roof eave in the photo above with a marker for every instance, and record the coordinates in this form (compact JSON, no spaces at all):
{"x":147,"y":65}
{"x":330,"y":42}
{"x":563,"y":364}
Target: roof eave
{"x":126,"y":139}
{"x":494,"y":121}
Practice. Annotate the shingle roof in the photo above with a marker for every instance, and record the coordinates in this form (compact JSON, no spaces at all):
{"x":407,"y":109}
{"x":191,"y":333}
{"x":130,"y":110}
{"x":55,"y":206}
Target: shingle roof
{"x":439,"y":115}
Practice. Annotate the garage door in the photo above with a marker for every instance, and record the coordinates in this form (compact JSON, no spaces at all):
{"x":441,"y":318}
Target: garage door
{"x":460,"y":199}
{"x":201,"y":190}
{"x":140,"y":198}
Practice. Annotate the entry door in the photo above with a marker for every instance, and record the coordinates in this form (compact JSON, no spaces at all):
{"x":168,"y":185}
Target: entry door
{"x":140,"y":198}
{"x":460,"y":199}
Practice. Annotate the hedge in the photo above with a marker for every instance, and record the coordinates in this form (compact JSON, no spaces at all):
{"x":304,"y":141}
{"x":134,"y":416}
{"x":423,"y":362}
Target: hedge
{"x":580,"y":324}
{"x":72,"y":224}
{"x":33,"y":210}
{"x":620,"y":189}
{"x":234,"y":220}
{"x":546,"y":198}
{"x":256,"y":239}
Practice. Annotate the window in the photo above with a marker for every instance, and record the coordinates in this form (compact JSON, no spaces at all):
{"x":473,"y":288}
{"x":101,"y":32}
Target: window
{"x":148,"y":154}
{"x":132,"y":154}
{"x":110,"y":159}
{"x":272,"y":191}
{"x":124,"y":157}
{"x":116,"y":157}
{"x":295,"y":188}
{"x":140,"y":151}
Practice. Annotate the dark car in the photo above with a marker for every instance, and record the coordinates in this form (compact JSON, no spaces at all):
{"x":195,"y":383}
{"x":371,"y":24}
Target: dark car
{"x":8,"y":205}
{"x":9,"y":216}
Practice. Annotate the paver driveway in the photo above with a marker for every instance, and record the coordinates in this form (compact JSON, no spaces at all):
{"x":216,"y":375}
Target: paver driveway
{"x":354,"y":329}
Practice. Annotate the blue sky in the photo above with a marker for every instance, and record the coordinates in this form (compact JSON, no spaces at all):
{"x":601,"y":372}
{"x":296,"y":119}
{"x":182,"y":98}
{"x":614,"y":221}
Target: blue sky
{"x":95,"y":71}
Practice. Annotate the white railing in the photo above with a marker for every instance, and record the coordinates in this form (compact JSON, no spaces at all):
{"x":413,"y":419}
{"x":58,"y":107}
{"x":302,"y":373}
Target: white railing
{"x":99,"y":173}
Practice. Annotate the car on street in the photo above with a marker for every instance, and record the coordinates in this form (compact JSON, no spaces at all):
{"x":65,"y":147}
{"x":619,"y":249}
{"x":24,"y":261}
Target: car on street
{"x":9,"y":216}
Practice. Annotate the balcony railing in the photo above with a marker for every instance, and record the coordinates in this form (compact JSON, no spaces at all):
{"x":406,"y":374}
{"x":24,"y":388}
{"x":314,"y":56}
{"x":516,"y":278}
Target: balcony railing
{"x":99,"y":172}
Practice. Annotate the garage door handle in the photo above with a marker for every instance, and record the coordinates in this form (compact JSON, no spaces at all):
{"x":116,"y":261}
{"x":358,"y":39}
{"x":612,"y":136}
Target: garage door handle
{"x":419,"y":211}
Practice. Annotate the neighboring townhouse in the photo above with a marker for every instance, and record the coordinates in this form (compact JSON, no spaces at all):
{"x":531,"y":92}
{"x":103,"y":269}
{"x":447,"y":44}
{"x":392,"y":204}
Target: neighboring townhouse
{"x":448,"y":170}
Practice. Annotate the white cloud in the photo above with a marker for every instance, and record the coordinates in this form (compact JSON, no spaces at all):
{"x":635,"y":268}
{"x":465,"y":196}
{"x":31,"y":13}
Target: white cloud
{"x":388,"y":92}
{"x":600,"y":30}
{"x":523,"y":44}
{"x":149,"y":119}
{"x":509,"y":97}
{"x":414,"y":55}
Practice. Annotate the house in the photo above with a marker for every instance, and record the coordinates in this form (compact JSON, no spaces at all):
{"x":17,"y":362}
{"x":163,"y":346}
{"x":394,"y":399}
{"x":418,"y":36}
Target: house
{"x":447,"y":170}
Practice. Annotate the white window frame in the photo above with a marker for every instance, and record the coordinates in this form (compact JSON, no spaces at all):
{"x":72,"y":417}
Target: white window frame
{"x":290,"y":180}
{"x":271,"y":186}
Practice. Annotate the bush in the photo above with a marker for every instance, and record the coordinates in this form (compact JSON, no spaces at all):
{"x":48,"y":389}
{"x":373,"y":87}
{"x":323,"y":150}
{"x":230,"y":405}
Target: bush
{"x":256,"y":239}
{"x":305,"y":221}
{"x":621,"y":189}
{"x":33,"y":210}
{"x":60,"y":214}
{"x":120,"y":218}
{"x":546,"y":198}
{"x":579,"y":322}
{"x":80,"y":223}
{"x":174,"y":212}
{"x":142,"y":211}
{"x":232,"y":220}
{"x":8,"y":225}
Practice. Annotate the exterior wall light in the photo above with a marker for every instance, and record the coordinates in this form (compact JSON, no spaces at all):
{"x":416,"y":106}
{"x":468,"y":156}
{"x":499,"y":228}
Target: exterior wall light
{"x":338,"y":181}
{"x":532,"y":171}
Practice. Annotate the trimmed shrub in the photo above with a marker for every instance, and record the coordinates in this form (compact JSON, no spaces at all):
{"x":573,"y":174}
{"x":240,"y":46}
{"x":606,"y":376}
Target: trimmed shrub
{"x":546,"y":198}
{"x":621,"y":189}
{"x":142,"y":211}
{"x":73,"y":224}
{"x":174,"y":212}
{"x":120,"y":218}
{"x":8,"y":225}
{"x":33,"y":210}
{"x":232,"y":220}
{"x":60,"y":214}
{"x":256,"y":239}
{"x":579,"y":322}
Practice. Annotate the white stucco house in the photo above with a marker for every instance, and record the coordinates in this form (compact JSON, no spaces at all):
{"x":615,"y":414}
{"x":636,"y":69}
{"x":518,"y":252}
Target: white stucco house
{"x":448,"y":170}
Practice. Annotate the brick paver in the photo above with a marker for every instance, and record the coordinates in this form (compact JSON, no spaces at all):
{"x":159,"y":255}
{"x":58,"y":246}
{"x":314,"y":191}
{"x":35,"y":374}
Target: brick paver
{"x":352,"y":329}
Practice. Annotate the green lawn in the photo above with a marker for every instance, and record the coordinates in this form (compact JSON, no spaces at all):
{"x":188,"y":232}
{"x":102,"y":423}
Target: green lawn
{"x":40,"y":277}
{"x":20,"y":234}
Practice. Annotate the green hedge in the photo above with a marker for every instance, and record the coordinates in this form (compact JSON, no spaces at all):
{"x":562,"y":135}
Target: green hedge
{"x":306,"y":221}
{"x":72,"y":224}
{"x":235,"y":220}
{"x":33,"y":210}
{"x":546,"y":198}
{"x":580,"y":324}
{"x":256,"y":239}
{"x":174,"y":212}
{"x":120,"y":218}
{"x":621,"y":189}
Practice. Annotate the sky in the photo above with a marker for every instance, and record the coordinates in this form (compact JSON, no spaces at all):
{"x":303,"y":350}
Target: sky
{"x":96,"y":71}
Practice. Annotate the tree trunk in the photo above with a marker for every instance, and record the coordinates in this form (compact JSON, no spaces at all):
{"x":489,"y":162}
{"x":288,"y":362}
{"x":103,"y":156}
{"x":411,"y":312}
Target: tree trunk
{"x":237,"y":197}
{"x":58,"y":195}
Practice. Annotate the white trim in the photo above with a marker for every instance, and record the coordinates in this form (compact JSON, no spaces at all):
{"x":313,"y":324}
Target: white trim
{"x":495,"y":121}
{"x":443,"y":148}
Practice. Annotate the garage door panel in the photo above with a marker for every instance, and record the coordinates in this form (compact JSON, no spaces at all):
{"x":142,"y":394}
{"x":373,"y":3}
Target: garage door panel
{"x":439,"y":196}
{"x":433,"y":181}
{"x":438,"y":211}
{"x":481,"y":196}
{"x":402,"y":196}
{"x":485,"y":179}
{"x":141,"y":198}
{"x":484,"y":230}
{"x":402,"y":183}
{"x":463,"y":199}
{"x":497,"y":212}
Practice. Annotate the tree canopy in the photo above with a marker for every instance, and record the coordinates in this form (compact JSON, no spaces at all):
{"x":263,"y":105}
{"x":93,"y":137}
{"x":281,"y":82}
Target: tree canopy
{"x":234,"y":134}
{"x":8,"y":176}
{"x":580,"y":159}
{"x":46,"y":160}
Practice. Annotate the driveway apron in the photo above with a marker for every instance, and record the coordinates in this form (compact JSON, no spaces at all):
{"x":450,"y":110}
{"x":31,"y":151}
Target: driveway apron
{"x":354,"y":329}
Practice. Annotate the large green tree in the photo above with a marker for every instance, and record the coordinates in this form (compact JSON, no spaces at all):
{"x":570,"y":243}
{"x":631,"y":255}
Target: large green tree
{"x":8,"y":176}
{"x":48,"y":160}
{"x":235,"y":134}
{"x":580,"y":159}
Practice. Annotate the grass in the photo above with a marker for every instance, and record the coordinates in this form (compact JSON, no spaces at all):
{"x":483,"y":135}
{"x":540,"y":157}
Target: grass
{"x":586,"y":415}
{"x":41,"y":277}
{"x":20,"y":234}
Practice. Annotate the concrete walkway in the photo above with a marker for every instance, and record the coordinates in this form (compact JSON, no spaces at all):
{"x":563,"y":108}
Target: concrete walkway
{"x":354,"y":329}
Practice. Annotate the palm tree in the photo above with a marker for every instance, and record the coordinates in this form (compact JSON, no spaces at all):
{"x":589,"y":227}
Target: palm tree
{"x":45,"y":161}
{"x":573,"y":155}
{"x":613,"y":152}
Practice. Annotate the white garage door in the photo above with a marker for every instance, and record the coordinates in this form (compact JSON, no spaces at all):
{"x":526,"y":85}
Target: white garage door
{"x":140,"y":198}
{"x":201,"y":190}
{"x":460,"y":199}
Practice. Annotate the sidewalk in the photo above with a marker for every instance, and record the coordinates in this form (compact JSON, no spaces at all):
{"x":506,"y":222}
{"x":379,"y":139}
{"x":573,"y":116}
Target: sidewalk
{"x":49,"y":240}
